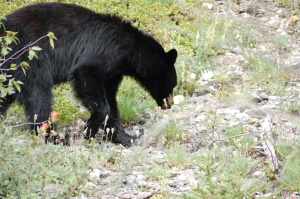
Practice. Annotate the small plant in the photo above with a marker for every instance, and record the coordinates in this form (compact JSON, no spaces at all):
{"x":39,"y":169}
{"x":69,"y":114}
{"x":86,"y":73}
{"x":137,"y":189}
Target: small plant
{"x":291,"y":107}
{"x":177,"y":155}
{"x":173,"y":132}
{"x":133,"y":101}
{"x":281,"y":42}
{"x":236,"y":137}
{"x":41,"y":166}
{"x":223,"y":176}
{"x":67,"y":105}
{"x":224,"y":88}
{"x":157,"y":172}
{"x":247,"y":37}
{"x":289,"y":176}
{"x":265,"y":73}
{"x":294,"y":4}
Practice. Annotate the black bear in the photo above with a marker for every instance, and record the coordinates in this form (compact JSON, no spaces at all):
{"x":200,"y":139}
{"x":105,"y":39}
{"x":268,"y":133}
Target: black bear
{"x":93,"y":51}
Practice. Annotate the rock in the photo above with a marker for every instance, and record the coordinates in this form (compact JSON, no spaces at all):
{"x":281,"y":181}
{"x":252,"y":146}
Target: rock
{"x":269,"y":106}
{"x":52,"y":189}
{"x":200,"y":118}
{"x":208,"y":6}
{"x":141,"y":177}
{"x":144,"y":195}
{"x":258,"y":174}
{"x":293,"y":61}
{"x":230,"y":149}
{"x":172,"y":184}
{"x":237,"y":50}
{"x":256,"y":98}
{"x":207,"y":75}
{"x":193,"y":76}
{"x":178,"y":99}
{"x":91,"y":184}
{"x":273,"y":23}
{"x":264,"y":96}
{"x":242,"y":117}
{"x":182,"y":178}
{"x":95,"y":174}
{"x":257,"y":113}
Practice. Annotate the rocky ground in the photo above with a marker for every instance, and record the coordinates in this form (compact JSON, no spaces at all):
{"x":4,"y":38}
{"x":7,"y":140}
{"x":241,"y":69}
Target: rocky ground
{"x":206,"y":115}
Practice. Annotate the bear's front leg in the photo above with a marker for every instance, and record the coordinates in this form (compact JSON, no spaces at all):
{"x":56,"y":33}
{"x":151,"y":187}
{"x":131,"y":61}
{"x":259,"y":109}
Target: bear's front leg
{"x":114,"y":128}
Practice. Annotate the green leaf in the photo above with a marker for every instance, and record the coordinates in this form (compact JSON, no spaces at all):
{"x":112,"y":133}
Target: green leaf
{"x":3,"y":93}
{"x":36,"y":48}
{"x":51,"y":38}
{"x":24,"y":70}
{"x":31,"y":54}
{"x":13,"y":65}
{"x":25,"y":64}
{"x":8,"y":40}
{"x":4,"y":51}
{"x":52,"y":43}
{"x":51,"y":35}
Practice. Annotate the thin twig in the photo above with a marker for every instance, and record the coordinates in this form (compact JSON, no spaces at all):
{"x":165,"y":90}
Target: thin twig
{"x":22,"y":51}
{"x":18,"y":125}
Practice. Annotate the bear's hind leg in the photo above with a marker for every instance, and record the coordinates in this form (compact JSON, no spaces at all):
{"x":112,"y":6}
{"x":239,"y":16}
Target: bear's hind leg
{"x":5,"y":103}
{"x":91,"y":92}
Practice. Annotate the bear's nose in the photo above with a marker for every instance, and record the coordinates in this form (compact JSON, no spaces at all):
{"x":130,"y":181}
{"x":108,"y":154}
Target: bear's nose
{"x":168,"y":102}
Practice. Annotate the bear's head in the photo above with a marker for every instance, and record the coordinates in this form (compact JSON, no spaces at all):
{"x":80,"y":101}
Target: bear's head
{"x":160,"y":79}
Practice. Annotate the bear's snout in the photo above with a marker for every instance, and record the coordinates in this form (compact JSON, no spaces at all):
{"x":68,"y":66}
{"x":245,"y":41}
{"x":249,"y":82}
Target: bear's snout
{"x":168,"y":102}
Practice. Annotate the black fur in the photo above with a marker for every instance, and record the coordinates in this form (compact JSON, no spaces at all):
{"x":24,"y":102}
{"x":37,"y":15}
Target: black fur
{"x":93,"y":51}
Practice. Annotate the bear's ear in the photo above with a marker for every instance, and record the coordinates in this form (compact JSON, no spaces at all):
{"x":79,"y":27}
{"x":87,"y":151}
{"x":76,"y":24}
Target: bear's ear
{"x":171,"y":56}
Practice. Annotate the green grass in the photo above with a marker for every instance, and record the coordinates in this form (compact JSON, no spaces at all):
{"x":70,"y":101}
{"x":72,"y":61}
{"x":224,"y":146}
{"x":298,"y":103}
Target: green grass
{"x":267,"y":75}
{"x":28,"y":166}
{"x":291,"y":107}
{"x":224,"y":176}
{"x":133,"y":100}
{"x":235,"y":137}
{"x":172,"y":132}
{"x":294,"y":4}
{"x":177,"y":155}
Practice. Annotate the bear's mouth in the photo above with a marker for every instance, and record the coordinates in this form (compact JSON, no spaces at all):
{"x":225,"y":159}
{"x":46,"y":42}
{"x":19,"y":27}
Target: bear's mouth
{"x":167,"y":102}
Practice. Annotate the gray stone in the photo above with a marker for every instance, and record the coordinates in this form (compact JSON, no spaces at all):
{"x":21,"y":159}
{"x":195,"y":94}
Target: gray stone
{"x":257,"y":113}
{"x":144,"y":194}
{"x":172,"y":184}
{"x":256,"y":98}
{"x":264,"y":96}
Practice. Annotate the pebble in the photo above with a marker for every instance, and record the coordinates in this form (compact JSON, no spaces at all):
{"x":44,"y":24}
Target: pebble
{"x":208,"y":6}
{"x":257,"y":113}
{"x":172,"y":184}
{"x":293,"y":61}
{"x":182,"y":178}
{"x":95,"y":174}
{"x":256,"y":98}
{"x":144,"y":194}
{"x":242,"y":117}
{"x":264,"y":96}
{"x":258,"y":174}
{"x":178,"y":99}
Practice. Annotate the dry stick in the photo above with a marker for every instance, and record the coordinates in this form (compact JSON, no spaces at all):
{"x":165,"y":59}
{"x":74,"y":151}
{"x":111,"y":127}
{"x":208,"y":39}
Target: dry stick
{"x":275,"y":165}
{"x":18,"y":125}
